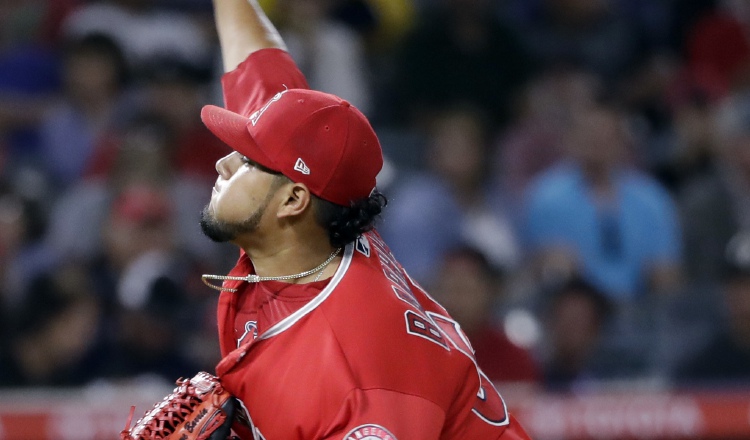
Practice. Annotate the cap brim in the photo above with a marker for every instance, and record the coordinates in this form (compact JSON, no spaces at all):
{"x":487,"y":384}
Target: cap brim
{"x":231,"y":128}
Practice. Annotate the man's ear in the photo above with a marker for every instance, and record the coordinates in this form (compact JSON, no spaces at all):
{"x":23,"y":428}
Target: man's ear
{"x":296,"y":200}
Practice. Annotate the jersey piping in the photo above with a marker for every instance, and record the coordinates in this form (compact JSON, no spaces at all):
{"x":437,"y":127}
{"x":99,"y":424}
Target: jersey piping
{"x":290,"y":320}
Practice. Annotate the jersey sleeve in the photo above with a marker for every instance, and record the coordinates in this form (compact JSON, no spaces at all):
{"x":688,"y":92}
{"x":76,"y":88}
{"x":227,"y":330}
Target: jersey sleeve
{"x":263,"y":74}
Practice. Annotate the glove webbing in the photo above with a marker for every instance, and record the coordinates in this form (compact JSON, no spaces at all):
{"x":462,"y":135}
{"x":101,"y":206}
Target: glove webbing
{"x":166,"y":415}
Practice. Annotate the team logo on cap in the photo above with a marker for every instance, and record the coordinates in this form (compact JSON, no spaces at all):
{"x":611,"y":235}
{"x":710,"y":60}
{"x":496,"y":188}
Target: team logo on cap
{"x":255,"y":116}
{"x":301,"y":166}
{"x":369,"y":432}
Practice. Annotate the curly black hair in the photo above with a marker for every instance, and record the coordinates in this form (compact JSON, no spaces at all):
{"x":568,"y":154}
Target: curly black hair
{"x":345,"y":223}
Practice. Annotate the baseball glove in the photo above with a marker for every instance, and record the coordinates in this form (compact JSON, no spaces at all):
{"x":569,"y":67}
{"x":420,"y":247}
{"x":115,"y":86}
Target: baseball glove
{"x":198,"y":409}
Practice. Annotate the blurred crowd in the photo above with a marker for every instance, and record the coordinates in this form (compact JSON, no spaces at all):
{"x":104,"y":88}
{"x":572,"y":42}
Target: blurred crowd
{"x":570,"y":178}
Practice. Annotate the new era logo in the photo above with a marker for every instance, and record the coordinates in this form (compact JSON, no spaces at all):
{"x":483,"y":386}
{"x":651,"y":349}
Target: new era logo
{"x":301,"y":166}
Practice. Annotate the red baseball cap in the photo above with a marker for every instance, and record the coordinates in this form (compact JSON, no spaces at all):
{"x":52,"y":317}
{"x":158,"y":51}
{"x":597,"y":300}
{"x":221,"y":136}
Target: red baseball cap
{"x":311,"y":137}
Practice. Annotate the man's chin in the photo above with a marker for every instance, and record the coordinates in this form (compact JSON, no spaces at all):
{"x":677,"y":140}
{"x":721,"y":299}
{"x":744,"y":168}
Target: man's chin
{"x":213,"y":229}
{"x":222,"y":231}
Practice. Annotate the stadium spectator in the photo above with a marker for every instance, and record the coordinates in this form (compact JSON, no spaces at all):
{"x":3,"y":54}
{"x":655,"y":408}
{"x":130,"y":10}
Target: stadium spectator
{"x":174,"y":91}
{"x":431,"y":212}
{"x":142,"y":276}
{"x":589,"y":34}
{"x":459,"y":53}
{"x":23,"y":223}
{"x":143,"y":30}
{"x":57,"y":336}
{"x":94,"y":78}
{"x":142,"y":156}
{"x":29,"y":79}
{"x":140,"y":253}
{"x":575,"y":319}
{"x":531,"y":142}
{"x":718,"y":47}
{"x":725,"y":359}
{"x":715,"y":206}
{"x":595,"y":215}
{"x":471,"y":291}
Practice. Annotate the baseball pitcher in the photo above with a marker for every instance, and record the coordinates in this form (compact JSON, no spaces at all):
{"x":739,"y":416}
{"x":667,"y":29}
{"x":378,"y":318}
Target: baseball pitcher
{"x":322,"y":332}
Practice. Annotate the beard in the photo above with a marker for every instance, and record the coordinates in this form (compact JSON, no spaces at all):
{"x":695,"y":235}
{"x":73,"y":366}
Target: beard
{"x":222,"y":232}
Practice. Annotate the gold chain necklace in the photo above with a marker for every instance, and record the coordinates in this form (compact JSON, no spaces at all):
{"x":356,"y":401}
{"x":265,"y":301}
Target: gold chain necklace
{"x":252,"y":278}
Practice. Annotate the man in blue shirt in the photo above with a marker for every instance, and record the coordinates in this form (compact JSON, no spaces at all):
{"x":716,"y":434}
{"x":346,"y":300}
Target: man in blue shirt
{"x":596,"y":215}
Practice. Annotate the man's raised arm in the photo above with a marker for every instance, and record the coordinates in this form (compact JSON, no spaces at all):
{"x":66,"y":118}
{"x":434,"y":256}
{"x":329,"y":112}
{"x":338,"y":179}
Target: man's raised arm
{"x":243,"y":28}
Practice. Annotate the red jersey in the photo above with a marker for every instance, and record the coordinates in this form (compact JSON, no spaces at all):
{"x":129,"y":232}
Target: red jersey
{"x":369,"y":356}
